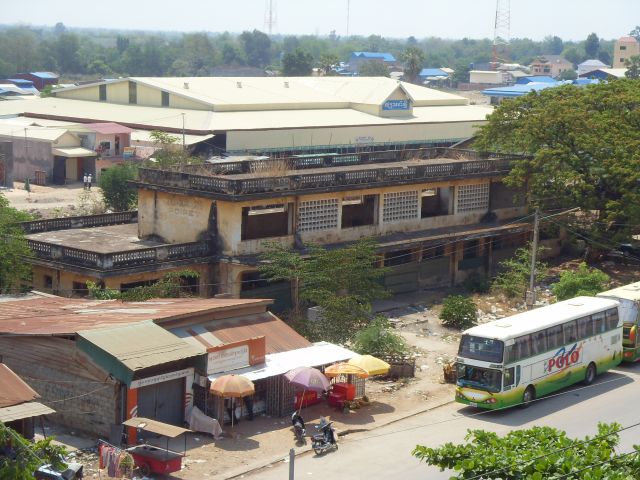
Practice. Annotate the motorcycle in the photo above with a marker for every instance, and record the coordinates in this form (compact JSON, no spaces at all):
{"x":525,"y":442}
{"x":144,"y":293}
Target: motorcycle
{"x":298,"y":427}
{"x":326,"y":439}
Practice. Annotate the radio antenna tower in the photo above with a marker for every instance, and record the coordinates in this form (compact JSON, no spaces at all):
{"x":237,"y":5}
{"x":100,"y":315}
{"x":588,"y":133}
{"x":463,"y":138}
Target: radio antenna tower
{"x":270,"y":16}
{"x":501,"y":31}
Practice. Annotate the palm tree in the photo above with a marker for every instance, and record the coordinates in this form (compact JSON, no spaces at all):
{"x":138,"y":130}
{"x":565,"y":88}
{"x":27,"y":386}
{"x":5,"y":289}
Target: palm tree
{"x":413,"y":58}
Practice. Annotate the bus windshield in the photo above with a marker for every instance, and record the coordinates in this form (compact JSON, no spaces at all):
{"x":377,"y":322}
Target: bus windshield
{"x":482,"y":378}
{"x":483,"y":349}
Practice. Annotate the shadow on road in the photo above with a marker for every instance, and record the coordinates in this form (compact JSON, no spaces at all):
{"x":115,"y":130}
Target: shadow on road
{"x":563,"y":399}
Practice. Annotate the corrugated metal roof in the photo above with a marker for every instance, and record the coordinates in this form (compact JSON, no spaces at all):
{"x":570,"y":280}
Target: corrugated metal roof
{"x":14,"y":390}
{"x":279,"y":337}
{"x":65,"y":316}
{"x":433,"y":72}
{"x":44,"y":74}
{"x":154,"y":426}
{"x":387,"y":57}
{"x":24,"y":410}
{"x":140,"y":345}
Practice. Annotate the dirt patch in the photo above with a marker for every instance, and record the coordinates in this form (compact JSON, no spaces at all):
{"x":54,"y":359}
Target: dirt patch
{"x":56,"y":201}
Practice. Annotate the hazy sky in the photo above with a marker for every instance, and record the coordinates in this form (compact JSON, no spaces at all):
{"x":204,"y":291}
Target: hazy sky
{"x":569,"y":19}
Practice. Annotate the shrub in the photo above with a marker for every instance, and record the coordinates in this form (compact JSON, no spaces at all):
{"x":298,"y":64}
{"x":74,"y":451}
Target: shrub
{"x":379,"y":339}
{"x":458,"y":312}
{"x":513,"y":280}
{"x":116,"y":191}
{"x":583,"y":281}
{"x":477,"y":283}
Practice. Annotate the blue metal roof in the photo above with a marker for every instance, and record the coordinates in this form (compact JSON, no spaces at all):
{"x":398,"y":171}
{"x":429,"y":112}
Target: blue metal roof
{"x":432,"y":72}
{"x":536,"y":79}
{"x":21,"y":82}
{"x":44,"y":74}
{"x":387,"y":57}
{"x":517,"y":90}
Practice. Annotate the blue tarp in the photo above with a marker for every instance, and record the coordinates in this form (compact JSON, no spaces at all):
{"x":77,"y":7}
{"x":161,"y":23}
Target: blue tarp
{"x":433,"y":72}
{"x":535,"y":79}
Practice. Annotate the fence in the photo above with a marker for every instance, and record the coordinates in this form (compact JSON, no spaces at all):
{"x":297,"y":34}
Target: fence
{"x":84,"y":221}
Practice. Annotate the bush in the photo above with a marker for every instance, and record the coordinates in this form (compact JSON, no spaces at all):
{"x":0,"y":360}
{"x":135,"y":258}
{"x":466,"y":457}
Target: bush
{"x":117,"y":193}
{"x":458,"y":312}
{"x":477,"y":283}
{"x":583,"y":281}
{"x":513,"y":280}
{"x":379,"y":339}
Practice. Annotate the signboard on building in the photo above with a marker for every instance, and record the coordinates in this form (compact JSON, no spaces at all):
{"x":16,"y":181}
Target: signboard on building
{"x":364,"y":139}
{"x":232,"y":356}
{"x":128,"y":152}
{"x":396,"y":105}
{"x":163,"y":377}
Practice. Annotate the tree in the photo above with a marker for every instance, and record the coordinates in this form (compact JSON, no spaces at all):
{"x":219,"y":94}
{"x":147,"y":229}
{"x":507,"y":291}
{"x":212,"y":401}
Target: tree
{"x":171,"y":285}
{"x":372,"y":68}
{"x":29,"y":456}
{"x":553,"y":45}
{"x":573,"y":54}
{"x":14,"y":272}
{"x":538,"y":453}
{"x":297,"y":64}
{"x":413,"y":59}
{"x":257,"y":46}
{"x":328,"y":62}
{"x":580,"y":147}
{"x":592,"y":45}
{"x":380,"y":340}
{"x":568,"y":75}
{"x":460,"y":73}
{"x":66,"y":52}
{"x":583,"y":281}
{"x":635,"y":33}
{"x":515,"y":272}
{"x":633,"y":67}
{"x":118,"y":194}
{"x":458,"y":312}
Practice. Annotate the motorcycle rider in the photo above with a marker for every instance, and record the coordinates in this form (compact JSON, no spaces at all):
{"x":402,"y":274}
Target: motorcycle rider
{"x":327,"y":431}
{"x":298,"y":423}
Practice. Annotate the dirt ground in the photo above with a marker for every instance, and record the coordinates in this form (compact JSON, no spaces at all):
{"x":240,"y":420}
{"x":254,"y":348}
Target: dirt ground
{"x":55,"y":201}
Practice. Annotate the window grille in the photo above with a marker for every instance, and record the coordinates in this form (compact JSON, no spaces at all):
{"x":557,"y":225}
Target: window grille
{"x":398,"y":206}
{"x":318,"y":215}
{"x":473,"y":198}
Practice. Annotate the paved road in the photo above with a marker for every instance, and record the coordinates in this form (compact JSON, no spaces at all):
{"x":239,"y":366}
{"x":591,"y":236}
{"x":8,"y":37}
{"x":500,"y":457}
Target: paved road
{"x":385,"y":452}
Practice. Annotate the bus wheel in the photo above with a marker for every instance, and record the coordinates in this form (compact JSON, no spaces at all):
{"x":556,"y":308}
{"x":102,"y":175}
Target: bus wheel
{"x":528,"y":396}
{"x":590,"y":374}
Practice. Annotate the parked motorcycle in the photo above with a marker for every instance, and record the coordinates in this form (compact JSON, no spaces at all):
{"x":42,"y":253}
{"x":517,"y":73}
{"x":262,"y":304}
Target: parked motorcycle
{"x":298,"y":427}
{"x":326,"y":439}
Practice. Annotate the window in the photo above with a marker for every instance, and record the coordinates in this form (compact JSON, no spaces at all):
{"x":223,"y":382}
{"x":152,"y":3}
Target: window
{"x":48,"y":282}
{"x":612,"y":318}
{"x":398,"y":206}
{"x":570,"y":331}
{"x":472,"y":198}
{"x":133,"y":92}
{"x":434,"y":202}
{"x":431,"y":252}
{"x":554,"y":337}
{"x":165,"y":99}
{"x":79,"y":289}
{"x":399,"y":257}
{"x":483,"y":378}
{"x":264,"y":221}
{"x":585,"y":327}
{"x":102,"y":93}
{"x":509,"y":376}
{"x":358,"y":213}
{"x":538,"y":342}
{"x":623,"y":47}
{"x":479,"y":348}
{"x":598,"y":322}
{"x":470,"y":249}
{"x":522,"y":347}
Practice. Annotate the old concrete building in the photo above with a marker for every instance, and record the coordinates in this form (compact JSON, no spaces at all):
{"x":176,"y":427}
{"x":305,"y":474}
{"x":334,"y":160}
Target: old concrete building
{"x":438,"y":215}
{"x":624,"y":49}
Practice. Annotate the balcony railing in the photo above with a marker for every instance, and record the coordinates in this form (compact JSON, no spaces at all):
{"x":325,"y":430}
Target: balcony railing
{"x":117,"y":260}
{"x":84,"y":221}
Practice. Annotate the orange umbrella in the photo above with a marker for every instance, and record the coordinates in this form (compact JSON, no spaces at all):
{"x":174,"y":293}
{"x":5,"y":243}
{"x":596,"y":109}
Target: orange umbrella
{"x":232,"y":386}
{"x":345,"y":369}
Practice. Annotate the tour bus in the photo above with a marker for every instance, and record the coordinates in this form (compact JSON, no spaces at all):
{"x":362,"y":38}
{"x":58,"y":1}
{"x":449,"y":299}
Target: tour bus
{"x":629,"y":298}
{"x":514,"y":360}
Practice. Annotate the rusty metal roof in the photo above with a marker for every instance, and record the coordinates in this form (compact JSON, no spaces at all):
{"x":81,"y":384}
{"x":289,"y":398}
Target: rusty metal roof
{"x":140,"y":345}
{"x":49,"y":315}
{"x":279,"y":337}
{"x":14,"y":390}
{"x":24,"y":410}
{"x":154,"y":426}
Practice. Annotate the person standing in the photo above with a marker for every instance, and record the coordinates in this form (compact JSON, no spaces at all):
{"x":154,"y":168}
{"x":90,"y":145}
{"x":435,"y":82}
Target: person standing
{"x":86,"y":181}
{"x":89,"y":181}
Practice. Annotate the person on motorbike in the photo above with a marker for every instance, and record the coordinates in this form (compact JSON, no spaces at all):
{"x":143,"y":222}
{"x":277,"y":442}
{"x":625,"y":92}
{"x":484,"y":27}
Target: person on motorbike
{"x":296,"y":418}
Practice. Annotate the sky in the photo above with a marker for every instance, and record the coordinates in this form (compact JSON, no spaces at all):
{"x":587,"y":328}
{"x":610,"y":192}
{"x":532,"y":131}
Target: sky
{"x":535,"y":19}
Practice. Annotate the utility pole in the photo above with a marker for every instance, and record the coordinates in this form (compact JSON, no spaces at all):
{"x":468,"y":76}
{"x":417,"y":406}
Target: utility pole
{"x":183,"y":140}
{"x":292,"y":459}
{"x":531,"y":294}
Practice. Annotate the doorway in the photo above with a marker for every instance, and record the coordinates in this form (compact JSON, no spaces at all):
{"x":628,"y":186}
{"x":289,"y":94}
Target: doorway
{"x":163,"y":401}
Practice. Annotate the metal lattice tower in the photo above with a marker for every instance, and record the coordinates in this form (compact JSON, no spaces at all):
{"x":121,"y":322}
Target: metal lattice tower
{"x":501,"y":31}
{"x":270,"y":16}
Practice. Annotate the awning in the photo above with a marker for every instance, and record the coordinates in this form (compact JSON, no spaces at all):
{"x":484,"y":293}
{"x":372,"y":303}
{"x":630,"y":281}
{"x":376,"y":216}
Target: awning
{"x":321,"y":353}
{"x":24,"y":410}
{"x":74,"y":152}
{"x":153,"y":426}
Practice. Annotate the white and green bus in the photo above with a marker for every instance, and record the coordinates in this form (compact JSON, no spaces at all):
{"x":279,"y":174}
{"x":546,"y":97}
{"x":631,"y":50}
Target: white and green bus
{"x":514,"y":360}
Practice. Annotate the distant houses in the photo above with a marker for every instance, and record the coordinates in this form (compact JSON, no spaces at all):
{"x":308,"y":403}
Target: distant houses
{"x":358,"y":59}
{"x":550,"y":65}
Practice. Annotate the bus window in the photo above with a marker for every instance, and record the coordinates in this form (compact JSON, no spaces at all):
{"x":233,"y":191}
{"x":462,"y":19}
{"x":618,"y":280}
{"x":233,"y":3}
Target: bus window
{"x":612,"y":318}
{"x":554,"y":337}
{"x":539,"y":342}
{"x":585,"y":327}
{"x":478,"y":348}
{"x":509,"y":377}
{"x":598,"y":322}
{"x":570,"y":330}
{"x":522,"y":347}
{"x":483,"y":378}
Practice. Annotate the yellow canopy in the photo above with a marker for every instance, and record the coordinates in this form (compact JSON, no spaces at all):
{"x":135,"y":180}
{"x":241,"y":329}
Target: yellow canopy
{"x":373,"y":365}
{"x":345,"y":369}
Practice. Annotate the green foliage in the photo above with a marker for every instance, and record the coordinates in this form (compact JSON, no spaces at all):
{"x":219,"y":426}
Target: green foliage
{"x":460,"y":73}
{"x":171,"y":285}
{"x":118,"y":194}
{"x":379,"y":339}
{"x":373,"y":69}
{"x":515,"y":272}
{"x":581,"y":146}
{"x":459,"y":312}
{"x":342,"y":282}
{"x":538,"y":453}
{"x":30,"y":456}
{"x":477,"y":283}
{"x":297,"y":63}
{"x":583,"y":281}
{"x":327,"y":63}
{"x":568,"y":75}
{"x":413,"y":59}
{"x":14,"y":272}
{"x":27,"y":185}
{"x":633,"y":67}
{"x":592,"y":45}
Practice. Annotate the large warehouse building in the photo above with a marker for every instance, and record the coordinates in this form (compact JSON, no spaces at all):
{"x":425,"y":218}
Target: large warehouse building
{"x":265,"y":115}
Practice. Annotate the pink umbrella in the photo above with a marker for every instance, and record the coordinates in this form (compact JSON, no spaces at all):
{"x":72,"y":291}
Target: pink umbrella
{"x":307,"y":378}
